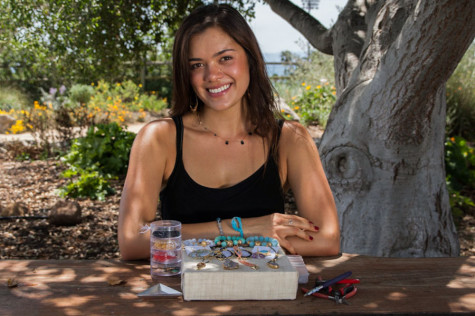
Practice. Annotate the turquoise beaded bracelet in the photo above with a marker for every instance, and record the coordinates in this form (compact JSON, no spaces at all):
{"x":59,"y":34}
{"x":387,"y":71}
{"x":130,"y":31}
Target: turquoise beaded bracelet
{"x":229,"y":241}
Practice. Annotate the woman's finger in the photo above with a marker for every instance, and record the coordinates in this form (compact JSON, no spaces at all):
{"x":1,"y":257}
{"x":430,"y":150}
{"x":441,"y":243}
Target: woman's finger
{"x":299,"y":222}
{"x":284,"y":243}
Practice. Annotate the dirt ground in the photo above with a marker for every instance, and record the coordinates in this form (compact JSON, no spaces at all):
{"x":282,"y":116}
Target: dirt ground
{"x":29,"y":187}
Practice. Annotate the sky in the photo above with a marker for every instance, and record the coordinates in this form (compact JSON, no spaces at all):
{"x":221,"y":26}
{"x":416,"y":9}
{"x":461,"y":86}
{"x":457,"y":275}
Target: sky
{"x":275,"y":34}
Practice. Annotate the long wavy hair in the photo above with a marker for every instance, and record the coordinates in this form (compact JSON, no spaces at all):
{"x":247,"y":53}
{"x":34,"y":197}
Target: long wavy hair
{"x":260,"y":97}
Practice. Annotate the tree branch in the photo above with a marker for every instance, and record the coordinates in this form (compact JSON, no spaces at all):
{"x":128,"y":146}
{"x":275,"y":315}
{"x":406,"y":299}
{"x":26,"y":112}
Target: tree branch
{"x":317,"y":35}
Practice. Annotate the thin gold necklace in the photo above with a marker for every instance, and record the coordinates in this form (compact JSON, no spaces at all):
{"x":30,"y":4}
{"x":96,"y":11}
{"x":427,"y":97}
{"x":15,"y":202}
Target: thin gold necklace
{"x":226,"y":141}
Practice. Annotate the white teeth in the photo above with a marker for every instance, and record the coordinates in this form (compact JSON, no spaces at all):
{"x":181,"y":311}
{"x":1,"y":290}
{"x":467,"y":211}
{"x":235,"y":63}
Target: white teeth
{"x":218,"y":90}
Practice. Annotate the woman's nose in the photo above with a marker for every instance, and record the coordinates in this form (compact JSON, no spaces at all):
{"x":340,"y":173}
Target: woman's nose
{"x":213,"y":73}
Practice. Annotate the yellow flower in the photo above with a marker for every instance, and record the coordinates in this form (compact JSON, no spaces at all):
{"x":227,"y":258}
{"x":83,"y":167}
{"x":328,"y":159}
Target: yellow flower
{"x":282,"y":110}
{"x":334,"y":92}
{"x":452,"y":139}
{"x":17,"y":127}
{"x":294,"y":97}
{"x":308,"y":87}
{"x":140,"y":85}
{"x":296,"y":108}
{"x":319,"y":87}
{"x":304,"y":84}
{"x":118,"y":84}
{"x":109,"y":98}
{"x":92,"y":84}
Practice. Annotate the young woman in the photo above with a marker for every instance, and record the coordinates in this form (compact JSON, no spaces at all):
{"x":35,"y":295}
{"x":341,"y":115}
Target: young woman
{"x":223,"y":153}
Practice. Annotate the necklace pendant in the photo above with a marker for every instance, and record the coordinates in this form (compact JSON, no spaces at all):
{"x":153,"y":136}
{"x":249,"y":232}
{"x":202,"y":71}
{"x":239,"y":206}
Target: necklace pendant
{"x":242,"y":142}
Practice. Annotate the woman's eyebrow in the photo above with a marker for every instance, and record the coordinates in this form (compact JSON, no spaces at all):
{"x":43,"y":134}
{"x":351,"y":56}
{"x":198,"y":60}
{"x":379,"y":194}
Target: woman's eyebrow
{"x":214,"y":55}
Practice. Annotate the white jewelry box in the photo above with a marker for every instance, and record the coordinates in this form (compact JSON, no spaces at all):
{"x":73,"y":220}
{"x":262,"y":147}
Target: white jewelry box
{"x":213,"y":282}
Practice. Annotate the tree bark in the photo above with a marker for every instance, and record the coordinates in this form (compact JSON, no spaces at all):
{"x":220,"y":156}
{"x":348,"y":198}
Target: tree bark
{"x":317,"y":35}
{"x":383,"y":148}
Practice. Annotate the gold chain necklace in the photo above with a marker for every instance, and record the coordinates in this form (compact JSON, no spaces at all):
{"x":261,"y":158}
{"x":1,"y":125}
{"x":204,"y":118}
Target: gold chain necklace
{"x":226,"y":141}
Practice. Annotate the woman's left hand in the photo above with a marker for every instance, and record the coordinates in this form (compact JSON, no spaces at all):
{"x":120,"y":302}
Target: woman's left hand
{"x":281,"y":227}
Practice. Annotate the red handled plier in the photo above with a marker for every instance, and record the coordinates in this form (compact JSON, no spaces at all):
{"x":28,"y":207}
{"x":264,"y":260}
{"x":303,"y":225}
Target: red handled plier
{"x":338,"y":295}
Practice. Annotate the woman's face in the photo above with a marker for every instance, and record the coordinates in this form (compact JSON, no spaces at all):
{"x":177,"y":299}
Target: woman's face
{"x":219,"y":69}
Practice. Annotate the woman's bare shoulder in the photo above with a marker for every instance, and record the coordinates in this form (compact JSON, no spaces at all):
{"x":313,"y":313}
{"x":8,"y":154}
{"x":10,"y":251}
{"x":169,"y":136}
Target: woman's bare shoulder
{"x":158,"y":132}
{"x":158,"y":128}
{"x":293,"y":131}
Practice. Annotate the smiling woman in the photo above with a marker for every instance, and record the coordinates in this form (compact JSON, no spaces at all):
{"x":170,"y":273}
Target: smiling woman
{"x":223,"y":154}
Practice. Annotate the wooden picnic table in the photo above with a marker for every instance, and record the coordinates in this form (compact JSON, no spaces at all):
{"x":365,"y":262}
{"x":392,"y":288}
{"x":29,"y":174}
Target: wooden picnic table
{"x":388,"y":285}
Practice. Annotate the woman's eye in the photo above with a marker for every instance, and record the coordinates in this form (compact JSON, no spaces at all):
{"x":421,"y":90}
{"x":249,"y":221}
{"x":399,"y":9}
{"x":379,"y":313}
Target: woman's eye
{"x":196,"y":66}
{"x":226,"y":58}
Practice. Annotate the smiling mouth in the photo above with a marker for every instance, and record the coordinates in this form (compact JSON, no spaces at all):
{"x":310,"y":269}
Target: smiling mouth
{"x":220,"y":89}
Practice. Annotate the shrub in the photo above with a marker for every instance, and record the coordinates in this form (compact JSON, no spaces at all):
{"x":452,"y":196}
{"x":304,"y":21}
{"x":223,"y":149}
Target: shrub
{"x":89,"y":183}
{"x":461,"y":98}
{"x":80,"y":94}
{"x":102,"y":155}
{"x":114,"y":102}
{"x":309,"y":90}
{"x":12,"y":98}
{"x":315,"y":103}
{"x":105,"y":146}
{"x":460,"y":174}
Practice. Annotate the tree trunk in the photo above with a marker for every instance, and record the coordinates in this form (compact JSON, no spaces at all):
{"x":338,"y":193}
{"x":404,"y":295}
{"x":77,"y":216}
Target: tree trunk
{"x":383,"y":148}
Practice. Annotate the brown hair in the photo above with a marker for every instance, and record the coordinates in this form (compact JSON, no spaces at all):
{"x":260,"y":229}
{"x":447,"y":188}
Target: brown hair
{"x":261,"y":105}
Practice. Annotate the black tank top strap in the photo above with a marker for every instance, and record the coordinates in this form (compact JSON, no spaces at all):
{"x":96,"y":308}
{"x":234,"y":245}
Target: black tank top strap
{"x":179,"y":136}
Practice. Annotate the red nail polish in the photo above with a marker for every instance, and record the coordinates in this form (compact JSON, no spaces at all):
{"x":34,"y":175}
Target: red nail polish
{"x":316,"y":228}
{"x":311,"y":238}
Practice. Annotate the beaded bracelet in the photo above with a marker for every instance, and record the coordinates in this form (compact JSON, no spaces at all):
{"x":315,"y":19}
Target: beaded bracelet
{"x":230,"y":241}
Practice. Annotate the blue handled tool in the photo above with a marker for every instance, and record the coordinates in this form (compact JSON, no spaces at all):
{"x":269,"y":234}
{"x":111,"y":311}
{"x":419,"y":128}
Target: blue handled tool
{"x":328,"y":283}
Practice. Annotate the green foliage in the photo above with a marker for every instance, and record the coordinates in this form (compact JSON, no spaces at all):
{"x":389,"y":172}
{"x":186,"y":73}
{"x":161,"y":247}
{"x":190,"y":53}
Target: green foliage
{"x":105,"y":147}
{"x":89,"y":183}
{"x":12,"y":98}
{"x":80,"y":94}
{"x":81,"y":41}
{"x":315,"y":104}
{"x":309,"y":90}
{"x":459,"y":163}
{"x":461,"y":98}
{"x":460,"y":174}
{"x":101,"y":155}
{"x":126,"y":95}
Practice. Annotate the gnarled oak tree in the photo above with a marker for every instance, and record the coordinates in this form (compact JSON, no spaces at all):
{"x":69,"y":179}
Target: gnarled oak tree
{"x":383,"y":148}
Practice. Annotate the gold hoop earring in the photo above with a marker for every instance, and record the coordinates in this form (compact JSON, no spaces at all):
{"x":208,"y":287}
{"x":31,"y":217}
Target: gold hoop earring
{"x":194,"y":107}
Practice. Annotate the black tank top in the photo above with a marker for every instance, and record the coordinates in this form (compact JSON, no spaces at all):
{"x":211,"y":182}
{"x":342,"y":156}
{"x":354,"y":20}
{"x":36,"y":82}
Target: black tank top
{"x":189,"y":202}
